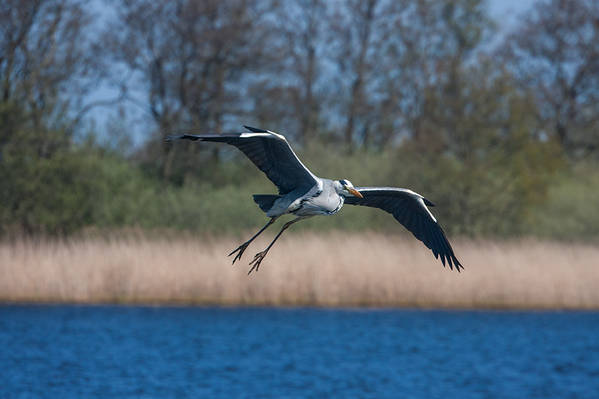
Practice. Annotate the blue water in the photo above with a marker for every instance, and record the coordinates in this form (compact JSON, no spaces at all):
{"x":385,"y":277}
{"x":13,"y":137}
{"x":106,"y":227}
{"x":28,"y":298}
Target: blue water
{"x":147,"y":352}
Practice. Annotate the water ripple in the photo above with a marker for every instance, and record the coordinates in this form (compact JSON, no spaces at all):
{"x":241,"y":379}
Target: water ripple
{"x":147,"y":352}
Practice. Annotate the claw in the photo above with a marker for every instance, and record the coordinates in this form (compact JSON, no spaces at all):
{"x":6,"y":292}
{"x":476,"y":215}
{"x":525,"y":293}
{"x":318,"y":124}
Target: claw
{"x":241,"y":249}
{"x":257,"y":260}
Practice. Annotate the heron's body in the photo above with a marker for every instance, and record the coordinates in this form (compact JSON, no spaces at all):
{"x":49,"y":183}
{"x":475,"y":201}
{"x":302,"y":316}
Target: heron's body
{"x":303,"y":194}
{"x":321,"y":199}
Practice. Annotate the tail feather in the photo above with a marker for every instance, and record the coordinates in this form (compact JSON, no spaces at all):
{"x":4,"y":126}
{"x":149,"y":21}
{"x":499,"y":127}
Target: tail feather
{"x":265,"y":201}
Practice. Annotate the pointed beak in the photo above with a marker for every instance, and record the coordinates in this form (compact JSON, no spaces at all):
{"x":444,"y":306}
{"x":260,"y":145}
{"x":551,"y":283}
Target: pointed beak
{"x":355,"y":192}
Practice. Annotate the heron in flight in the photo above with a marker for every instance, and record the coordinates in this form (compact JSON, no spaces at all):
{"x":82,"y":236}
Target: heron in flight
{"x":304,"y":194}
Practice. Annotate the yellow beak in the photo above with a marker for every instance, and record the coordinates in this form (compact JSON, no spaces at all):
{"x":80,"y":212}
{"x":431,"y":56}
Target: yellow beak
{"x":355,"y":192}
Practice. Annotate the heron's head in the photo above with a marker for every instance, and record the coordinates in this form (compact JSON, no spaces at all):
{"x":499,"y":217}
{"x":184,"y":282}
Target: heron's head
{"x":346,"y":188}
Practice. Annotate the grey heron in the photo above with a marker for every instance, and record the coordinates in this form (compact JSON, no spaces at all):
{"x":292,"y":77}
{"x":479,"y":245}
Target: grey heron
{"x":304,"y":194}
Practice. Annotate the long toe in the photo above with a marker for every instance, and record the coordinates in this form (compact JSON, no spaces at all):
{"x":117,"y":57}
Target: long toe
{"x":255,"y":263}
{"x":240,"y":250}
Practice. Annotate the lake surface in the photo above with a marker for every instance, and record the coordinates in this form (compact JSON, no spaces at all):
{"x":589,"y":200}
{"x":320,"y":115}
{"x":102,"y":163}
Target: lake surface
{"x":166,"y":352}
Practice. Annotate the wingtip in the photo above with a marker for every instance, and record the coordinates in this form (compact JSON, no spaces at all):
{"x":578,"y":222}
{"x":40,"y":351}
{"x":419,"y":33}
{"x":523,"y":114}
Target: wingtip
{"x":174,"y":137}
{"x":456,"y":263}
{"x":427,"y":202}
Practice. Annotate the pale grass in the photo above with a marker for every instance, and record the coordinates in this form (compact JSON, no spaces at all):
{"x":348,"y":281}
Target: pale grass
{"x":335,"y":269}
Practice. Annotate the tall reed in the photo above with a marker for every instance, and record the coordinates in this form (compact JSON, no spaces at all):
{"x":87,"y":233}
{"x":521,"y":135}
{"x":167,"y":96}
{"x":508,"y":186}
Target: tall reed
{"x":303,"y":269}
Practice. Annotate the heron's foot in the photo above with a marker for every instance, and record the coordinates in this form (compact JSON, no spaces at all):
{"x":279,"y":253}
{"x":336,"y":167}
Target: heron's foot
{"x":240,"y":250}
{"x":257,"y":260}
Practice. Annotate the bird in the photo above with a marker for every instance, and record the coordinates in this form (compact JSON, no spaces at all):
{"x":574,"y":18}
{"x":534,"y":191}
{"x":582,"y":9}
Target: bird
{"x":303,"y":194}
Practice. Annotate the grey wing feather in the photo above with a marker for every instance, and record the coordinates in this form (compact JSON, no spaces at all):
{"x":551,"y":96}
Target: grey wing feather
{"x":270,"y":152}
{"x":409,"y":209}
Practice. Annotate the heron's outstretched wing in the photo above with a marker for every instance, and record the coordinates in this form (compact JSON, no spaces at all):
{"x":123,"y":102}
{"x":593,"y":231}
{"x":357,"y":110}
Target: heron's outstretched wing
{"x":270,"y":152}
{"x":409,"y":208}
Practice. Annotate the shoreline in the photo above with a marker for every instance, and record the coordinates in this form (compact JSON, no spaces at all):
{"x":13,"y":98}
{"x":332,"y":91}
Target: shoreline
{"x":308,"y":306}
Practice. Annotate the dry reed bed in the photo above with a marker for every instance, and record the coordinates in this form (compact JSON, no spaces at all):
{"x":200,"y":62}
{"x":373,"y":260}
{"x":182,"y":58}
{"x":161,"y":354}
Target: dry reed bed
{"x":332,"y":270}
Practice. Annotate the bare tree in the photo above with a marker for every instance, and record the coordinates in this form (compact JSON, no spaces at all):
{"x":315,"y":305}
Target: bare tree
{"x":555,"y":54}
{"x":292,"y":86}
{"x":44,"y":59}
{"x":357,"y":36}
{"x":190,"y":57}
{"x":434,"y":40}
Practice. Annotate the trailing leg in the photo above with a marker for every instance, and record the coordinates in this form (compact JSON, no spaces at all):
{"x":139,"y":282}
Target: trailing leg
{"x":260,"y":255}
{"x":240,"y":249}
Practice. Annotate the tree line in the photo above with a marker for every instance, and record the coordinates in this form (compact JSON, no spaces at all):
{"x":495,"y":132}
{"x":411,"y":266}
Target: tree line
{"x":494,"y":127}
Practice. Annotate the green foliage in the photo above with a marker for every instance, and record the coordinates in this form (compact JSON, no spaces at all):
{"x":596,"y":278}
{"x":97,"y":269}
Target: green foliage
{"x":570,"y":211}
{"x":509,"y":191}
{"x":46,"y":195}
